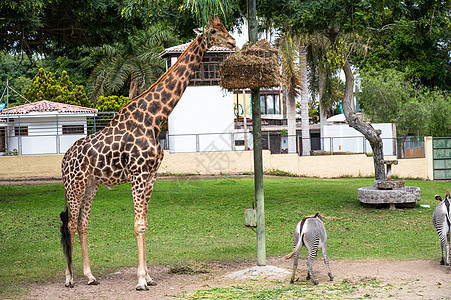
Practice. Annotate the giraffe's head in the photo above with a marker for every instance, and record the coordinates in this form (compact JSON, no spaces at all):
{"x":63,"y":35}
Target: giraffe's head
{"x":217,"y":35}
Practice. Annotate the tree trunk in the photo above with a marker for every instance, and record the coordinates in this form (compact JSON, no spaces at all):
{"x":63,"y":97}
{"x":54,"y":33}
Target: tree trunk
{"x":403,"y":140}
{"x":304,"y":104}
{"x":322,"y":108}
{"x":291,"y":124}
{"x":133,"y":90}
{"x":371,"y":134}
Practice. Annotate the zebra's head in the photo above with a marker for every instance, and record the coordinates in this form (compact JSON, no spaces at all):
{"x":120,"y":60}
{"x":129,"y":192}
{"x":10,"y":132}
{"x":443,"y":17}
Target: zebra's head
{"x":447,"y":197}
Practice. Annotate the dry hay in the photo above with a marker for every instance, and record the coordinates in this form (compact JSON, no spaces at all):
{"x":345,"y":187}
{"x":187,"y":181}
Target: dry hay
{"x":189,"y":268}
{"x":254,"y":66}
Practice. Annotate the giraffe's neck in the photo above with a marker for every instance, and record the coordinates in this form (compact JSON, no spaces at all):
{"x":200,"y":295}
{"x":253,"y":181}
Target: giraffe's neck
{"x":152,"y":108}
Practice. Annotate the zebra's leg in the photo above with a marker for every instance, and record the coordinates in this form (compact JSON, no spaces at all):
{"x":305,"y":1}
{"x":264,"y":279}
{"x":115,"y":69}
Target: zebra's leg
{"x":295,"y":266}
{"x":311,"y":257}
{"x":447,"y":247}
{"x":444,"y":245}
{"x":326,"y":261}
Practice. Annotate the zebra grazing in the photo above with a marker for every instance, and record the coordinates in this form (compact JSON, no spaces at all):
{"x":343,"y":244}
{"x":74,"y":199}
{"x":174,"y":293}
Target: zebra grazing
{"x":442,"y":222}
{"x":311,"y":233}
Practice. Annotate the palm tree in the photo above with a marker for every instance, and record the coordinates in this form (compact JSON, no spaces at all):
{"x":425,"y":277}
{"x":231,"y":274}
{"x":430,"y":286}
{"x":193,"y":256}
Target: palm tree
{"x":134,"y":61}
{"x":323,"y":80}
{"x":304,"y":103}
{"x":291,"y":84}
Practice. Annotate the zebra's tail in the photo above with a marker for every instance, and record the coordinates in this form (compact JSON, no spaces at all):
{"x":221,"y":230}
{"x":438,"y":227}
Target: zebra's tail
{"x":65,"y":237}
{"x":296,"y":248}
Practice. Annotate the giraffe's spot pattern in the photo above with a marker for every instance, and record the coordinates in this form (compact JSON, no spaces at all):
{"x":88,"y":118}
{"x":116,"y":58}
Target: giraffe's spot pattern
{"x":127,"y":149}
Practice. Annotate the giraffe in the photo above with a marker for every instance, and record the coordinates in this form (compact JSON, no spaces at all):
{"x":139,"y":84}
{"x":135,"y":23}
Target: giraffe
{"x":127,"y":149}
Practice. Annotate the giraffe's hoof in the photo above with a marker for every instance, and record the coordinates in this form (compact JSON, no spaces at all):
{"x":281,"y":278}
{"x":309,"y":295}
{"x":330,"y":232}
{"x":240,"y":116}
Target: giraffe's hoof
{"x":142,"y":288}
{"x":94,"y":282}
{"x":69,"y":285}
{"x":151,"y":283}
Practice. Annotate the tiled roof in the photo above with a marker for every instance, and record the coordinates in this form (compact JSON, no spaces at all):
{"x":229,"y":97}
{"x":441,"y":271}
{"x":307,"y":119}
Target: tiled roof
{"x":183,"y":47}
{"x":47,"y":106}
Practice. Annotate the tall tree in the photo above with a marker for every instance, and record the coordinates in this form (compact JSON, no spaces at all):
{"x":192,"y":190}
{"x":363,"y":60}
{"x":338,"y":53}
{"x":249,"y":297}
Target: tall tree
{"x":306,"y":145}
{"x":291,"y":84}
{"x":416,"y":37}
{"x":40,"y":26}
{"x":389,"y":96}
{"x":334,"y":19}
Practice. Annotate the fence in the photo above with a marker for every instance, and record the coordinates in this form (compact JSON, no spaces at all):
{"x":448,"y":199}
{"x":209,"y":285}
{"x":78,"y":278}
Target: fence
{"x":54,"y":134}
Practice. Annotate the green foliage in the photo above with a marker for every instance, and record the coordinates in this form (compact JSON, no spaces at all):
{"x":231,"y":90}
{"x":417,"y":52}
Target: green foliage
{"x":46,"y":87}
{"x":177,"y":14}
{"x":111,"y":103}
{"x":204,"y":9}
{"x":43,"y":26}
{"x":134,"y":62}
{"x":407,"y":45}
{"x":76,"y":62}
{"x":389,"y":96}
{"x":18,"y":71}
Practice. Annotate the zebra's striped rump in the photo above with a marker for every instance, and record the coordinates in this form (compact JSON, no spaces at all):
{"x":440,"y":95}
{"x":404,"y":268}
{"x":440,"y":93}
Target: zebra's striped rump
{"x":441,"y":219}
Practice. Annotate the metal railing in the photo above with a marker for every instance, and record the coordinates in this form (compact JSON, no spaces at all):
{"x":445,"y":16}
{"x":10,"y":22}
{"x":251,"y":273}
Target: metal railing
{"x":54,"y":134}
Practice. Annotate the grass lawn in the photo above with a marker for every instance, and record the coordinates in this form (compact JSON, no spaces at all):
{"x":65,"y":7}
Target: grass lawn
{"x":203,"y":220}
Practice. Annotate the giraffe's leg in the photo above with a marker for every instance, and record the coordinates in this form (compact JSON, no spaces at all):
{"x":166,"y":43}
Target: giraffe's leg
{"x":73,"y":200}
{"x":141,"y":190}
{"x":83,"y":219}
{"x":69,"y":275}
{"x":149,"y":280}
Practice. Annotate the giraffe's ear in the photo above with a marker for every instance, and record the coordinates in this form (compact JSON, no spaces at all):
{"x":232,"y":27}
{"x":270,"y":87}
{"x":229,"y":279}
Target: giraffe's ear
{"x":198,"y":30}
{"x":217,"y":19}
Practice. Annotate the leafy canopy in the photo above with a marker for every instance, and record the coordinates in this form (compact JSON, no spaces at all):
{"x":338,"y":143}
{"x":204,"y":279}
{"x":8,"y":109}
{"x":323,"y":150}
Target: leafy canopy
{"x":111,"y":103}
{"x":46,"y":87}
{"x":41,"y":26}
{"x":389,"y":95}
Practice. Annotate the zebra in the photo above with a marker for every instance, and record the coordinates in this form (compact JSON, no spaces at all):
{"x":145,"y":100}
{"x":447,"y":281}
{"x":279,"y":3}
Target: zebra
{"x":311,"y":233}
{"x":442,"y":222}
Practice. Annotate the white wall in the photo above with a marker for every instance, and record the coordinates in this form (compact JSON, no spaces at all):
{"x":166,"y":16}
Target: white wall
{"x":347,"y":139}
{"x":202,"y":121}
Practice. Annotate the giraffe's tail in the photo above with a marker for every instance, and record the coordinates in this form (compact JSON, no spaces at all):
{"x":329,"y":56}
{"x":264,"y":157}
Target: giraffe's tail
{"x":65,"y":237}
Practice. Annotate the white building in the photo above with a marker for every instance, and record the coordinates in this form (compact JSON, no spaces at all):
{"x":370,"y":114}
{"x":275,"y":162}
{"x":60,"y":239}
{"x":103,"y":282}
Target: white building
{"x":42,"y":127}
{"x":338,"y":136}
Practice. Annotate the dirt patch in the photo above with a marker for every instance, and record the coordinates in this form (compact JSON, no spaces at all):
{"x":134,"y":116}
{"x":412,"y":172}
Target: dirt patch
{"x":397,"y":280}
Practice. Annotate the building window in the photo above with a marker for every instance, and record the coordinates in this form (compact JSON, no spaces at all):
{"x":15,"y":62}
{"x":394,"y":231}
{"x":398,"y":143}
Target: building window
{"x":239,"y":142}
{"x":21,"y":131}
{"x":73,"y":129}
{"x":208,"y":72}
{"x":270,"y":104}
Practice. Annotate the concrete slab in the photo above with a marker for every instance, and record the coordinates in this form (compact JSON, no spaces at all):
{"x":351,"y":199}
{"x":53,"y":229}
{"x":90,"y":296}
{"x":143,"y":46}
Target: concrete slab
{"x":261,"y":272}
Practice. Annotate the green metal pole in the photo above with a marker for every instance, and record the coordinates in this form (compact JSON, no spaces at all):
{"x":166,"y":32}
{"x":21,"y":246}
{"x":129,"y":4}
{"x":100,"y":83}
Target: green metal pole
{"x":257,"y":137}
